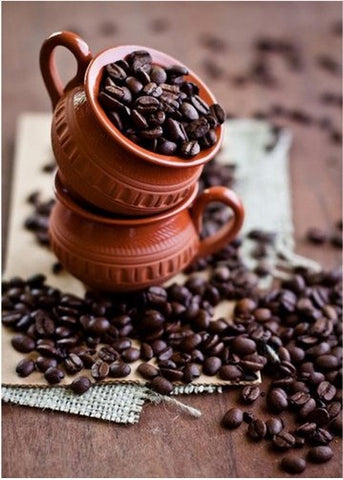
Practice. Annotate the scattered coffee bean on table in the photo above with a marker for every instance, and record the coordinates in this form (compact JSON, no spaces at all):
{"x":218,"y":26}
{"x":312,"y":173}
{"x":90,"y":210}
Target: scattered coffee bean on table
{"x":293,"y":464}
{"x":80,"y":385}
{"x":233,"y":418}
{"x":157,"y":108}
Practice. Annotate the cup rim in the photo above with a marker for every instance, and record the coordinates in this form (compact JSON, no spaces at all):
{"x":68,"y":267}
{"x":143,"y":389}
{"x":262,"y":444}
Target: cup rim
{"x":92,"y":81}
{"x":68,"y":201}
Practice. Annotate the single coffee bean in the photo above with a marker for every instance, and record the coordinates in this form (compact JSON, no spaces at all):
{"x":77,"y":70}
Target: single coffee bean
{"x":134,"y":85}
{"x":319,"y":415}
{"x":321,"y":437}
{"x":121,"y":344}
{"x":230,"y":372}
{"x":293,"y":464}
{"x":171,"y":374}
{"x":299,"y":399}
{"x":53,"y":375}
{"x":189,"y":149}
{"x":146,"y":104}
{"x":147,"y":371}
{"x":25,"y":367}
{"x":307,"y":408}
{"x":99,"y":370}
{"x":73,"y":364}
{"x":162,"y":385}
{"x":320,"y":454}
{"x":175,"y":130}
{"x":243,"y":346}
{"x":233,"y":418}
{"x":43,"y":363}
{"x":108,"y":354}
{"x":306,"y":429}
{"x":334,"y":409}
{"x":130,"y":355}
{"x":277,"y":401}
{"x":283,"y":441}
{"x":257,"y":429}
{"x":326,"y":391}
{"x":274,"y":426}
{"x":336,"y":425}
{"x":190,"y":372}
{"x":119,"y":369}
{"x":250,"y":393}
{"x":80,"y":385}
{"x":23,"y":343}
{"x":158,"y":75}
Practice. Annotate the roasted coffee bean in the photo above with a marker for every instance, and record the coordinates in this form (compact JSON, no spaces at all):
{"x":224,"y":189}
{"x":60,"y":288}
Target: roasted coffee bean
{"x":80,"y":385}
{"x":307,"y":408}
{"x":146,"y":104}
{"x":230,"y":372}
{"x":116,"y":72}
{"x":162,"y":385}
{"x":336,"y":425}
{"x":23,"y":343}
{"x":134,"y":85}
{"x":108,"y":354}
{"x":243,"y":346}
{"x":166,"y":147}
{"x":190,"y":372}
{"x":326,"y":391}
{"x":334,"y":409}
{"x":211,"y":365}
{"x":147,"y":371}
{"x":146,"y":351}
{"x":250,"y":393}
{"x":320,"y":454}
{"x":53,"y":375}
{"x":283,"y":441}
{"x":25,"y":367}
{"x":293,"y":464}
{"x":130,"y":355}
{"x":158,"y":75}
{"x":277,"y":401}
{"x":189,"y":149}
{"x":43,"y":363}
{"x":257,"y":429}
{"x":99,"y":370}
{"x":121,"y":344}
{"x":306,"y":429}
{"x":274,"y":426}
{"x":299,"y":399}
{"x":198,"y":128}
{"x":98,"y":325}
{"x":321,"y":437}
{"x":119,"y":369}
{"x":233,"y":418}
{"x":171,"y":374}
{"x":327,"y":362}
{"x":152,"y":320}
{"x":73,"y":364}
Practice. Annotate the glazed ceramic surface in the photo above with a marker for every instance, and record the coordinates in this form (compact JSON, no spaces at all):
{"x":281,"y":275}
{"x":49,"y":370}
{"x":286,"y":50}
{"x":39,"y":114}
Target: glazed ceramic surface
{"x":112,"y":254}
{"x":97,"y":162}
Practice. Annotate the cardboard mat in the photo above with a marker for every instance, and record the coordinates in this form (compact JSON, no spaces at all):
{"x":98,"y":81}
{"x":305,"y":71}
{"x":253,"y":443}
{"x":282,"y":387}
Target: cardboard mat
{"x":26,"y":257}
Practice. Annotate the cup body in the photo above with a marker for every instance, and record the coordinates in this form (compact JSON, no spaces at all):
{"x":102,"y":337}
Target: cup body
{"x":97,"y":162}
{"x":115,"y":255}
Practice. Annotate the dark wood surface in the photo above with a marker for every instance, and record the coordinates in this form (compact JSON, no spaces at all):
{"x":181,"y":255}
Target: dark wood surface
{"x":165,"y":443}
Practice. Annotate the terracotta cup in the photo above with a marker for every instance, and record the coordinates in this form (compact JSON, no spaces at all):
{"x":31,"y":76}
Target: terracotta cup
{"x":96,"y":161}
{"x":124,"y":254}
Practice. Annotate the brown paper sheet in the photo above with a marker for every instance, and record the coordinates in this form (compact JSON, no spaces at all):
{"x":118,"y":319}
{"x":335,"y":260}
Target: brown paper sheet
{"x":25,"y":257}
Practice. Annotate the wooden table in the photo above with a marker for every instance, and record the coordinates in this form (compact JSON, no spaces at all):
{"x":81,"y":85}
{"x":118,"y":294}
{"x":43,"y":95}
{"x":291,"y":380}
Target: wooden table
{"x":164,"y":443}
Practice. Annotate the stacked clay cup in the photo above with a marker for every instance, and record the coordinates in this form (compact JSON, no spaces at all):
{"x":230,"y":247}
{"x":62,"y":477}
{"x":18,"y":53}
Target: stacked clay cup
{"x":125,"y":217}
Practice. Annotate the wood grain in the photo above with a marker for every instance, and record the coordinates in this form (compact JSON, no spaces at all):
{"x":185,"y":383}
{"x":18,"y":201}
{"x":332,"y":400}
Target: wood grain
{"x":165,"y":444}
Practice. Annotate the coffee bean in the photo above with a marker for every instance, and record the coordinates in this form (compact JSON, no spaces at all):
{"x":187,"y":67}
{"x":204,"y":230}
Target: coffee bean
{"x":306,"y":429}
{"x":327,"y":362}
{"x":320,"y":454}
{"x":299,"y":399}
{"x":334,"y":409}
{"x":257,"y":429}
{"x":73,"y":364}
{"x":53,"y":375}
{"x":211,"y":365}
{"x":25,"y":367}
{"x":190,"y":372}
{"x":134,"y":85}
{"x":250,"y":393}
{"x":277,"y":401}
{"x":23,"y":343}
{"x":321,"y":437}
{"x":162,"y":385}
{"x":189,"y":149}
{"x":326,"y":391}
{"x":130,"y":355}
{"x":43,"y":363}
{"x":99,"y":370}
{"x":243,"y":346}
{"x":336,"y":425}
{"x":80,"y":385}
{"x":230,"y":372}
{"x":307,"y":408}
{"x":274,"y":426}
{"x":283,"y":441}
{"x":148,"y":371}
{"x":233,"y":418}
{"x":293,"y":464}
{"x":119,"y":369}
{"x":158,"y":75}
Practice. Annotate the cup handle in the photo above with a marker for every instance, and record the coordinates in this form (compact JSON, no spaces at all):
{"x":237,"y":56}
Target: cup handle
{"x":219,"y":239}
{"x":52,"y":80}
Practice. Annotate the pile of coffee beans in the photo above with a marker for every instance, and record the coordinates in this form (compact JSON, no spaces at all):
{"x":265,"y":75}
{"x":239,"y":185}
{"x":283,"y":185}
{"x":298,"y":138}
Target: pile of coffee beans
{"x":158,"y":108}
